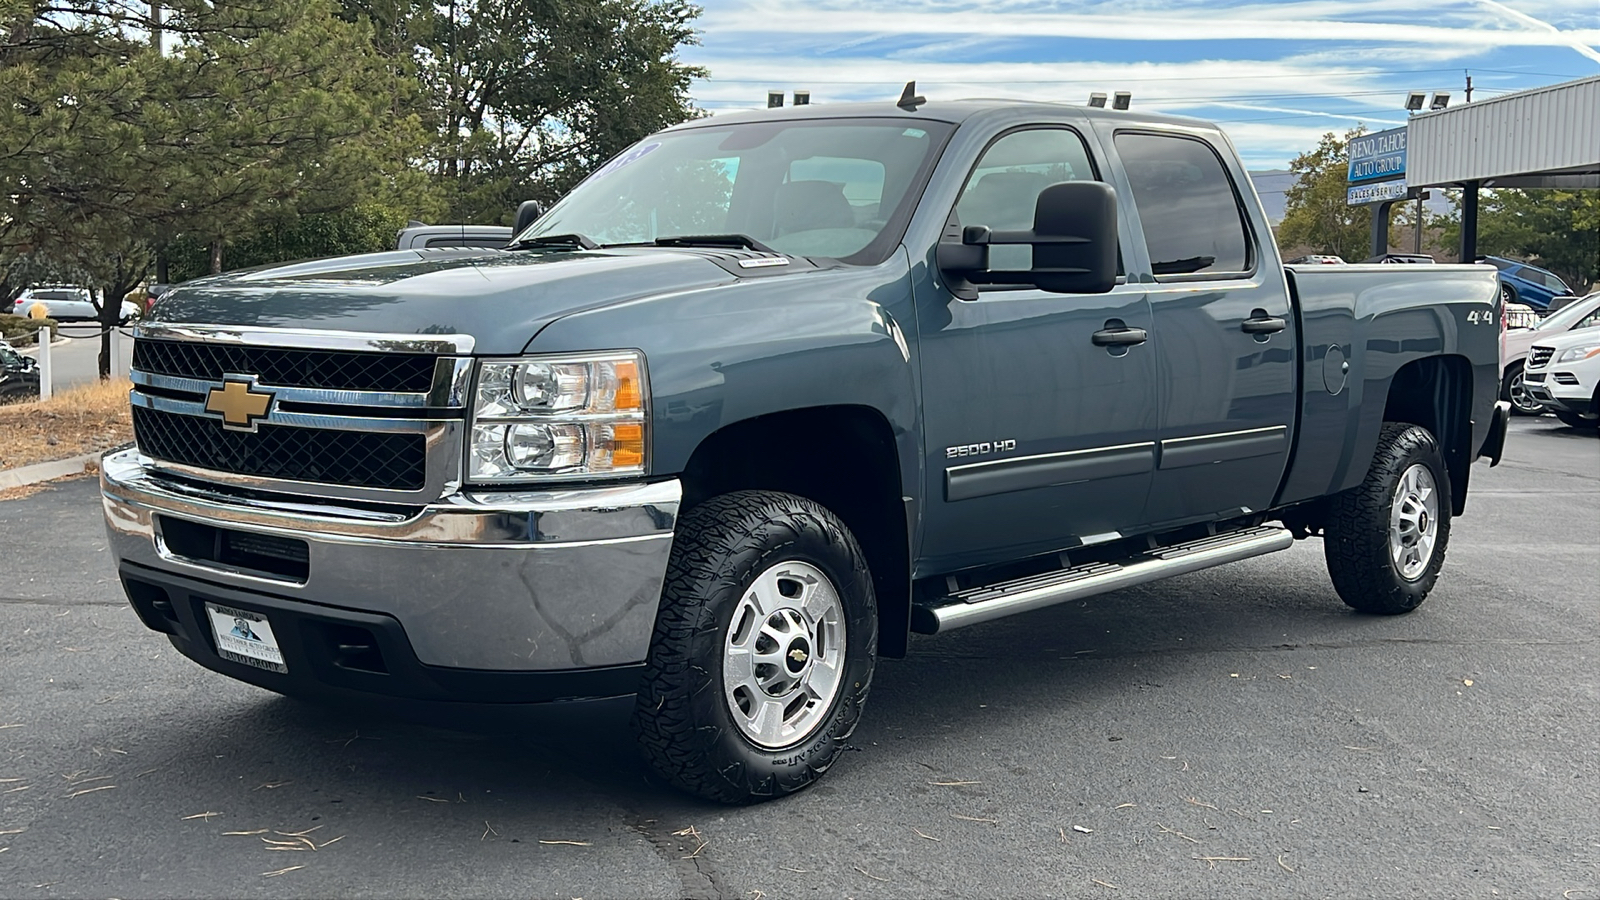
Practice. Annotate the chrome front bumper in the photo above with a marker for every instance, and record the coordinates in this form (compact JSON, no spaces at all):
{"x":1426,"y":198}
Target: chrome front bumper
{"x":519,"y":582}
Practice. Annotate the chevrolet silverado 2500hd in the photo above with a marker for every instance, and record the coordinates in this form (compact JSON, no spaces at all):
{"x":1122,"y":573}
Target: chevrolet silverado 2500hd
{"x":765,"y":394}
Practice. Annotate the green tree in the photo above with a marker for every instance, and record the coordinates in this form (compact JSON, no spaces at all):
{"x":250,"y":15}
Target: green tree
{"x":256,"y":112}
{"x":1316,"y":215}
{"x":1557,"y":230}
{"x":525,"y":97}
{"x":367,"y":227}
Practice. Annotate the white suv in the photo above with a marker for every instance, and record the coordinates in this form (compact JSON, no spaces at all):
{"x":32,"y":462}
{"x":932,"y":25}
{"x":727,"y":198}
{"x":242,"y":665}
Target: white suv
{"x":1564,"y":375}
{"x":1516,"y":342}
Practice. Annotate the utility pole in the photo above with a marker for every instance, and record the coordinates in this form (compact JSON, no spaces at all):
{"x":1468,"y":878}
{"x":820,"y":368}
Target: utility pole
{"x":1469,"y":85}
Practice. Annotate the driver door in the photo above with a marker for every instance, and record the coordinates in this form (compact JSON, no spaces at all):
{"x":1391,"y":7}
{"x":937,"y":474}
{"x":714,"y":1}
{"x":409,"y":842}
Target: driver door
{"x":1038,"y":435}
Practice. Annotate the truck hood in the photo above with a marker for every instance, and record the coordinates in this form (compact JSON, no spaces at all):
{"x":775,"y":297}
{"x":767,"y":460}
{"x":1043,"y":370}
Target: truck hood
{"x":501,"y":298}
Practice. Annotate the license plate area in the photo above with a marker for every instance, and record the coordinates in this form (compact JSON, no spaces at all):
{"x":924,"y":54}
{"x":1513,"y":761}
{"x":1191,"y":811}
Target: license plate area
{"x":244,"y":637}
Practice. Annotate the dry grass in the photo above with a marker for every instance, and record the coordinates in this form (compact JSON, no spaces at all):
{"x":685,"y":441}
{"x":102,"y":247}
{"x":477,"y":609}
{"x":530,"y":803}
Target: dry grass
{"x":75,"y":421}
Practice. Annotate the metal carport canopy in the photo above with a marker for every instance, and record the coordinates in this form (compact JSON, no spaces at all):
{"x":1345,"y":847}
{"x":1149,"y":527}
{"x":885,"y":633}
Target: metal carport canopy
{"x":1546,"y":137}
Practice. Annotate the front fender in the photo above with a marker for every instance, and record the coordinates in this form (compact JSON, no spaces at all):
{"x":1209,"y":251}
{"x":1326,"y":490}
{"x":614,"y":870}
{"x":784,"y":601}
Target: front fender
{"x":724,"y":354}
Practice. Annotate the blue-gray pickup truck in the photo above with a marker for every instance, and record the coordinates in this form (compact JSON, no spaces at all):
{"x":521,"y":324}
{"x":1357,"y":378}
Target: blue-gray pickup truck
{"x":766,"y":394}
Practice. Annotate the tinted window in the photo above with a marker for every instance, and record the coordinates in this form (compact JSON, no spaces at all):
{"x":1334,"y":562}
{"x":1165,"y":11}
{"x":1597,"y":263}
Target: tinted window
{"x":1004,"y":187}
{"x":1191,"y":217}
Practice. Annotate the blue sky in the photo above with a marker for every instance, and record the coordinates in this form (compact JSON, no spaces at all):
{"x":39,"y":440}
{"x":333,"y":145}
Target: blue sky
{"x":1276,"y":74}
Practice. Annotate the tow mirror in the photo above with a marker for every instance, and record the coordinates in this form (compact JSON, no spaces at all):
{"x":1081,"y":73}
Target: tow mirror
{"x":527,"y":213}
{"x":1074,"y":240}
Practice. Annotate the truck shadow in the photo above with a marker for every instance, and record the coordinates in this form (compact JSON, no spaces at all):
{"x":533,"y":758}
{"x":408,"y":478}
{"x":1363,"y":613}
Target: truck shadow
{"x":1080,"y":663}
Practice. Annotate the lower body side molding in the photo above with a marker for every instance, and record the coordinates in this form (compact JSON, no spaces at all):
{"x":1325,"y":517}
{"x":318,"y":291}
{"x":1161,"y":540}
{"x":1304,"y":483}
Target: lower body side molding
{"x":981,"y":604}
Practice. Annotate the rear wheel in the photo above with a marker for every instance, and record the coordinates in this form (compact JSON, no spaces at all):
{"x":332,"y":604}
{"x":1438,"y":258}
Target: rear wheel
{"x":1385,"y":540}
{"x":763,"y":649}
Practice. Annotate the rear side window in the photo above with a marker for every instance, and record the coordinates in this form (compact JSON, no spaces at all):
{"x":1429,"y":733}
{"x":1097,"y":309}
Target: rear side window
{"x":1193,"y":223}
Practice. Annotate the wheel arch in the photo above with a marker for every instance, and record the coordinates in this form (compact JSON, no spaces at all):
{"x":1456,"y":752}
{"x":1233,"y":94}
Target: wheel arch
{"x":1435,"y":392}
{"x":846,"y":459}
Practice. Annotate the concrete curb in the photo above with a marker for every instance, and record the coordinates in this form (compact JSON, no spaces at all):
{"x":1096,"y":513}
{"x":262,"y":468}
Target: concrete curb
{"x":60,"y":340}
{"x":46,"y":471}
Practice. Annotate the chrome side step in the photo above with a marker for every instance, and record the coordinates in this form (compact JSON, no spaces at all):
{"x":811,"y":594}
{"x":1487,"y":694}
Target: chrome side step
{"x":994,"y":601}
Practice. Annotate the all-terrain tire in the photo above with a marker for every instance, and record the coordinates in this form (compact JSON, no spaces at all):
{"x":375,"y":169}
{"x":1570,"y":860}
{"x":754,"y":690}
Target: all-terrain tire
{"x":1358,"y":536}
{"x":684,"y":718}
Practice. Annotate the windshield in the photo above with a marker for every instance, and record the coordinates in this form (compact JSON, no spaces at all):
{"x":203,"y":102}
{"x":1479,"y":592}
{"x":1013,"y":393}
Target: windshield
{"x":9,"y":356}
{"x":840,"y":188}
{"x":1566,"y":315}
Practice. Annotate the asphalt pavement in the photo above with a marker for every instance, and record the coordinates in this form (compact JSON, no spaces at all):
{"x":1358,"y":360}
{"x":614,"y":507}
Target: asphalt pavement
{"x":1236,"y":732}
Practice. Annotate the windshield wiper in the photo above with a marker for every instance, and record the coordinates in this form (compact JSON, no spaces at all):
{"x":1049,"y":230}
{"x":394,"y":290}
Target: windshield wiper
{"x":571,"y":239}
{"x":714,"y":240}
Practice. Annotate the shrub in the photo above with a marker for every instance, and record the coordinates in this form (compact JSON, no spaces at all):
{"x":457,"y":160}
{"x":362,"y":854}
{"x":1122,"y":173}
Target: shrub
{"x":21,"y":331}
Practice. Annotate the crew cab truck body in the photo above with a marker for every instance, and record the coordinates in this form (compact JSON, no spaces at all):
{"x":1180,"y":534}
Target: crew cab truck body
{"x":769,"y":392}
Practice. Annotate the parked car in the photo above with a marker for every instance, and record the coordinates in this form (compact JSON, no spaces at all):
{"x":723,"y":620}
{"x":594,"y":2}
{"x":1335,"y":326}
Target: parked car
{"x":1315,"y":260}
{"x":1515,"y":343}
{"x":712,"y":447}
{"x":66,"y":302}
{"x":1522,"y":283}
{"x":1564,"y":375}
{"x":19,"y":376}
{"x":418,"y":236}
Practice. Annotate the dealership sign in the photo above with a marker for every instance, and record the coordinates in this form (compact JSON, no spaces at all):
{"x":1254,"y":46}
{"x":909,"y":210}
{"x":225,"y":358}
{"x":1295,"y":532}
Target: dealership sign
{"x":1357,"y":194}
{"x":1377,"y":167}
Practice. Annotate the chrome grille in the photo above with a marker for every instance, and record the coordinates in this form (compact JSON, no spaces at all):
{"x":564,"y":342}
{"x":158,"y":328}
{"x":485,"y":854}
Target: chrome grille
{"x":352,"y":416}
{"x":1539,"y":356}
{"x":354,"y":458}
{"x":287,"y":367}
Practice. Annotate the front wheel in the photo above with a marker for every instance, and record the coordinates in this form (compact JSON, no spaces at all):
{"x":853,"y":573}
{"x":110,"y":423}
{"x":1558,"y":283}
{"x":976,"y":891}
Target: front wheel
{"x":1385,"y":540}
{"x":763,"y":648}
{"x":1514,"y":391}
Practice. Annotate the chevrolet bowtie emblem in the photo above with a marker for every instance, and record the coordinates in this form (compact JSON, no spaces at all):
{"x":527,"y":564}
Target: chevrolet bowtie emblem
{"x":239,"y":404}
{"x":797,"y":655}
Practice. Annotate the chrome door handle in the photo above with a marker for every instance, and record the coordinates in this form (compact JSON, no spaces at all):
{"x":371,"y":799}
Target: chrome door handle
{"x":1119,"y":337}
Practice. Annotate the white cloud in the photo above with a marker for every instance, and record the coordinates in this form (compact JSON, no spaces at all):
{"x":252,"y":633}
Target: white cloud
{"x":1277,"y":75}
{"x":1171,"y":24}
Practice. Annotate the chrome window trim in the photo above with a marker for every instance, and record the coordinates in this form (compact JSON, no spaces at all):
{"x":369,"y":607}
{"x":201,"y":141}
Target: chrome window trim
{"x":307,"y":338}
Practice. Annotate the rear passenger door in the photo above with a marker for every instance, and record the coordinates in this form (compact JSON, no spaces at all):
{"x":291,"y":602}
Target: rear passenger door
{"x":1224,"y":336}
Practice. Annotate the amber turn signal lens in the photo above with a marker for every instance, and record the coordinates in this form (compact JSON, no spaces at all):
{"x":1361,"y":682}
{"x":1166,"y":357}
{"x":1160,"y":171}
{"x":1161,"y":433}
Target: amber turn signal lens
{"x":630,"y":395}
{"x":627,"y":445}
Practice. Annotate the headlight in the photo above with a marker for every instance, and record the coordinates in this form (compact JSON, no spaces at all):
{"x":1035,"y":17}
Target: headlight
{"x":1573,"y":354}
{"x":552,"y":417}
